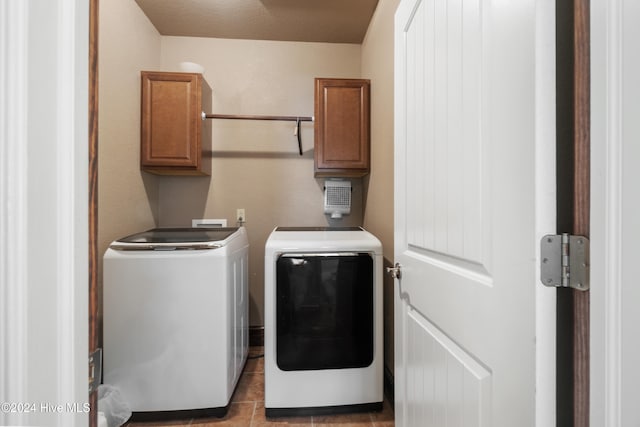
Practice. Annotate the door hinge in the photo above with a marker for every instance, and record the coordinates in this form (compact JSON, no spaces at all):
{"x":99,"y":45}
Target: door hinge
{"x":95,"y":370}
{"x":565,"y":261}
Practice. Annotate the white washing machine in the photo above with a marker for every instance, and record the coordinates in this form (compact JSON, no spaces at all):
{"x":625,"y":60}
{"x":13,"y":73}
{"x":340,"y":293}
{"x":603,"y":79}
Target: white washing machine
{"x":176,"y":319}
{"x":323,"y":321}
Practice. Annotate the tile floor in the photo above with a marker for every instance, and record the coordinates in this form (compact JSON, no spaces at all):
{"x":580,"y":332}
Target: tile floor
{"x":247,"y":408}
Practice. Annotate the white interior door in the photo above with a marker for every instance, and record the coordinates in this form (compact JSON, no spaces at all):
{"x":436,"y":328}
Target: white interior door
{"x":474,"y":179}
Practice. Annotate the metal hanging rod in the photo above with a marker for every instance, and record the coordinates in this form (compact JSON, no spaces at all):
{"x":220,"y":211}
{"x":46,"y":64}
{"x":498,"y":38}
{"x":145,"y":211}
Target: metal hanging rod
{"x":296,"y":119}
{"x":241,"y":117}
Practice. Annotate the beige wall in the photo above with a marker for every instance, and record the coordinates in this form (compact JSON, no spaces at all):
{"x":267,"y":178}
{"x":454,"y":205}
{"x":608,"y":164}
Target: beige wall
{"x":128,"y":43}
{"x":256,"y":165}
{"x":127,"y":201}
{"x":377,"y":65}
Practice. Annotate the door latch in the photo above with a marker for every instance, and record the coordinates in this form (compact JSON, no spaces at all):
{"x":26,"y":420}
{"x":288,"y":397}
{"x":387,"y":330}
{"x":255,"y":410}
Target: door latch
{"x":395,"y":271}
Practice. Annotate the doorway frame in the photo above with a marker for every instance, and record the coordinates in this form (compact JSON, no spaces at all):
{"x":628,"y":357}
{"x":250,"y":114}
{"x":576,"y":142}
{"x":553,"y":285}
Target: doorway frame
{"x":93,"y":195}
{"x":44,"y":219}
{"x":613,"y":86}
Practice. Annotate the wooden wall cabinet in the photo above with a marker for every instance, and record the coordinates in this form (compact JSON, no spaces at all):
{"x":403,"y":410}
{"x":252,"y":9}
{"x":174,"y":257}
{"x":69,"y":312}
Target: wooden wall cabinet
{"x":342,"y":127}
{"x":175,"y":140}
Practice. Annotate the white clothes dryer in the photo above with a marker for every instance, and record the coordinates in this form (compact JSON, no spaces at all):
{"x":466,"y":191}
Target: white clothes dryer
{"x":323,"y":321}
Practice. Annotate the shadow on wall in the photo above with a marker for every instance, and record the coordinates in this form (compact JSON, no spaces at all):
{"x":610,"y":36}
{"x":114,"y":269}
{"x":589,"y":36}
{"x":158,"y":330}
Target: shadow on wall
{"x":151,"y":187}
{"x":192,"y":198}
{"x":388,"y":301}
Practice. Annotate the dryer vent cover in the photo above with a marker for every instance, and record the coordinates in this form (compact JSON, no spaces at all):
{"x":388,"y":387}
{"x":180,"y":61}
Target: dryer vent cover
{"x":337,"y":198}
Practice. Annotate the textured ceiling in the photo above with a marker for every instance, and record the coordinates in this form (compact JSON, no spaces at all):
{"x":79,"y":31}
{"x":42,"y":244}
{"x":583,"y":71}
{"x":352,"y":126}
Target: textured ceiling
{"x":332,"y":21}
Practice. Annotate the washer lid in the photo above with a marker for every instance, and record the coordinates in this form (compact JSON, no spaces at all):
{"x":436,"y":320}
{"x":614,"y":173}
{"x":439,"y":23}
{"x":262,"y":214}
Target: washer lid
{"x":175,"y":238}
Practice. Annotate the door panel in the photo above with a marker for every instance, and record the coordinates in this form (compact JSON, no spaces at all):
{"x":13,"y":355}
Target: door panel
{"x":460,"y":385}
{"x":465,"y":225}
{"x":444,"y":212}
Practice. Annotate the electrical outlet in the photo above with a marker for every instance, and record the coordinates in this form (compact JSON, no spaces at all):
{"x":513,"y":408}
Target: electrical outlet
{"x":240,"y":216}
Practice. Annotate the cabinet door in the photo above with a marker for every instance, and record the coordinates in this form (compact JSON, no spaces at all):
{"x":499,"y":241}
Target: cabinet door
{"x":342,"y":127}
{"x":173,"y":131}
